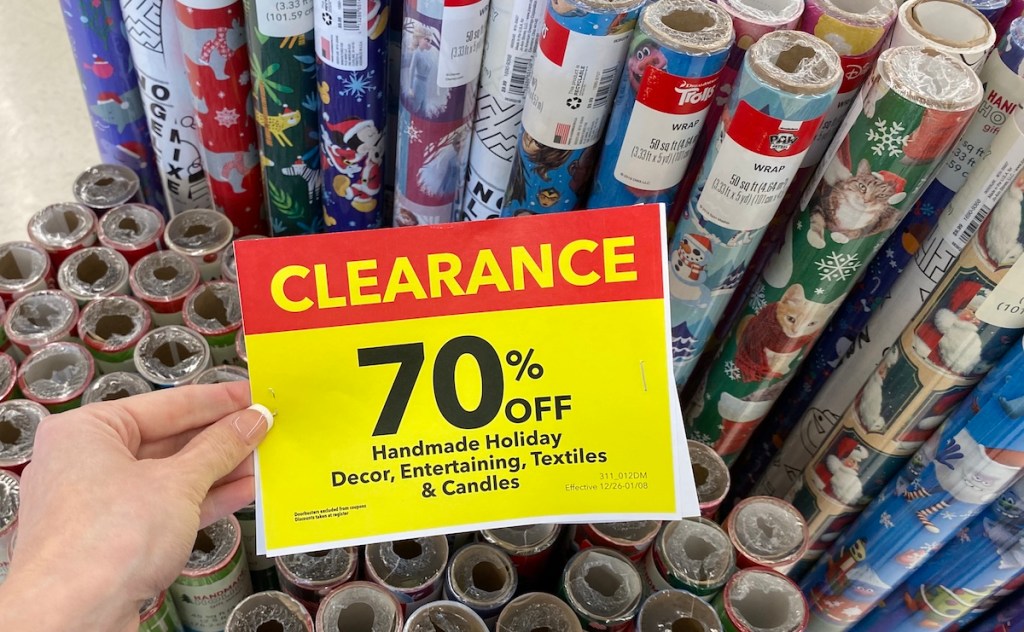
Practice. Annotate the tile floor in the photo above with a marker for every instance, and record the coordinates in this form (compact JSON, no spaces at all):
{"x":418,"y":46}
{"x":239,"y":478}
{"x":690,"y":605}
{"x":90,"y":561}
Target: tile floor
{"x":45,"y":136}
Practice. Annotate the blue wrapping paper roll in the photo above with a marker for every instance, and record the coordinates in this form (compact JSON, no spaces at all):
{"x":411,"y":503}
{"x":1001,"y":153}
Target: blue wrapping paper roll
{"x":984,"y":555}
{"x":111,"y":90}
{"x":580,"y":54}
{"x":352,"y":81}
{"x":760,"y":142}
{"x":677,"y":52}
{"x":975,"y":457}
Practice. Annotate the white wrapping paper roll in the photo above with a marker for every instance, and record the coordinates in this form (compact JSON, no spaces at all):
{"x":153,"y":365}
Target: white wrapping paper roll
{"x":950,"y":26}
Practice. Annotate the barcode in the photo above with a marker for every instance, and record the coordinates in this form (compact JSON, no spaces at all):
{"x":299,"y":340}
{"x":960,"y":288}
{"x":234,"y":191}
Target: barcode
{"x":351,"y":20}
{"x":966,"y":232}
{"x":517,"y":80}
{"x":604,"y":87}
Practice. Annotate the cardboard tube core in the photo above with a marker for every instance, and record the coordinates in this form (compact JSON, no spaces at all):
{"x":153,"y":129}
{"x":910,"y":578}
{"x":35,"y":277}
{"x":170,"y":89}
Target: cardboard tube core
{"x":211,"y":307}
{"x":356,"y":617}
{"x":204,"y":543}
{"x":688,"y":21}
{"x":172,"y":353}
{"x":196,"y":230}
{"x":686,"y":624}
{"x":700,"y":474}
{"x":697,"y":548}
{"x":165,"y":273}
{"x":761,"y":609}
{"x":407,"y":549}
{"x":130,"y":225}
{"x":789,"y":59}
{"x":103,"y":182}
{"x":489,"y":577}
{"x":604,"y":580}
{"x":111,"y":325}
{"x":16,"y":265}
{"x":91,"y":269}
{"x":270,"y":626}
{"x":62,"y":224}
{"x":9,"y":433}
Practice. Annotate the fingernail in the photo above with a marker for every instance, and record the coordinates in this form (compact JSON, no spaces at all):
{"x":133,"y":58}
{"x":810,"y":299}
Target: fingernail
{"x":249,"y":425}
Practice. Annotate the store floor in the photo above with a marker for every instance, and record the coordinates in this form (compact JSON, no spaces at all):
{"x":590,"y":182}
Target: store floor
{"x":45,"y":135}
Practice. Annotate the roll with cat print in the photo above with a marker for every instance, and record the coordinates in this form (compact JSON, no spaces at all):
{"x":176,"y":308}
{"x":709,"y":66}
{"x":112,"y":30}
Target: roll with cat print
{"x":951,"y":587}
{"x":976,"y":456}
{"x":580,"y":55}
{"x":789,"y":79}
{"x":442,"y":50}
{"x":973,"y":317}
{"x":932,"y":234}
{"x":751,"y":20}
{"x":284,"y":98}
{"x":907,"y":116}
{"x":678,"y":49}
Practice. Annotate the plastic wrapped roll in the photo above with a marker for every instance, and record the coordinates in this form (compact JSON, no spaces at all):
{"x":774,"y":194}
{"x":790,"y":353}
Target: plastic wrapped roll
{"x":24,"y":268}
{"x":19,"y":418}
{"x":482,"y":577}
{"x":448,"y":615}
{"x":992,"y":10}
{"x":284,"y":96}
{"x":364,"y":606}
{"x":214,"y":311}
{"x":751,"y":21}
{"x":262,"y":569}
{"x":61,"y":229}
{"x":352,"y":83}
{"x":580,"y":55}
{"x":508,"y":56}
{"x":158,"y":615}
{"x":534,"y":611}
{"x":104,"y":186}
{"x":413,"y":570}
{"x":678,"y":49}
{"x":632,"y":539}
{"x":442,"y":49}
{"x":905,"y":119}
{"x":694,"y":555}
{"x":222,"y":375}
{"x":761,"y":600}
{"x":93,"y":272}
{"x":270,"y":610}
{"x":963,"y":330}
{"x":10,"y":503}
{"x":111,"y":327}
{"x":8,"y":379}
{"x":111,"y":90}
{"x":56,"y":375}
{"x":988,"y":184}
{"x":113,"y":386}
{"x":201,"y":235}
{"x":788,"y":82}
{"x":949,"y":26}
{"x":215,"y":578}
{"x":975,"y":457}
{"x":710,"y":475}
{"x":948,"y":588}
{"x":1014,"y":10}
{"x":309,"y":577}
{"x":171,"y":356}
{"x":213,"y":44}
{"x":38,"y":319}
{"x":134,"y":230}
{"x":603,"y":588}
{"x":766,"y":532}
{"x":153,"y":39}
{"x":529,"y":546}
{"x":162,"y":280}
{"x":676,"y":610}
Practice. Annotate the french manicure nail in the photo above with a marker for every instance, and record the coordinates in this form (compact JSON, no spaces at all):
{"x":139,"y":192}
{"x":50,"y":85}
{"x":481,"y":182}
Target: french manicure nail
{"x":248,"y":425}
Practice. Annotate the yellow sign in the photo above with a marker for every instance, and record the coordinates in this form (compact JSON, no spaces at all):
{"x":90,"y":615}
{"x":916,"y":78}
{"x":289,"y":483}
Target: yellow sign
{"x":464,"y":376}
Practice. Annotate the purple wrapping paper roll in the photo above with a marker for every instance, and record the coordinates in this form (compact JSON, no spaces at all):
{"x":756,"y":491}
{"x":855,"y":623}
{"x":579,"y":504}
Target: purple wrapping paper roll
{"x":1007,"y":617}
{"x":985,"y":555}
{"x":111,"y":90}
{"x":974,"y":458}
{"x":352,"y":75}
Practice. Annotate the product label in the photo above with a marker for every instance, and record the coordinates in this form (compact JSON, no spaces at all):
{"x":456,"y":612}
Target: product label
{"x":663,"y":129}
{"x":995,"y":110}
{"x":204,"y":603}
{"x":463,"y":27}
{"x":1004,"y":306}
{"x":520,"y":48}
{"x":572,"y":85}
{"x":652,"y":575}
{"x":756,"y":162}
{"x":341,"y":34}
{"x":283,"y":18}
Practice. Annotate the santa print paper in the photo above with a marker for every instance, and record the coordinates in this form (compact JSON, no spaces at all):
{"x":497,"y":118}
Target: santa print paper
{"x":867,"y":182}
{"x":213,"y":42}
{"x":973,"y":459}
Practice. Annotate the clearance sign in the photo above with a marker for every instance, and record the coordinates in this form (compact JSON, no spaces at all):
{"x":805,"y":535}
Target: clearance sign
{"x":447,"y":378}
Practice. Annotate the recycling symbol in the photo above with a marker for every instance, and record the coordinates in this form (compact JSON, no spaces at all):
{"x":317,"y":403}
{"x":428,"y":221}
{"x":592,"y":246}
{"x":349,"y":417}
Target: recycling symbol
{"x":574,"y":103}
{"x":327,"y":18}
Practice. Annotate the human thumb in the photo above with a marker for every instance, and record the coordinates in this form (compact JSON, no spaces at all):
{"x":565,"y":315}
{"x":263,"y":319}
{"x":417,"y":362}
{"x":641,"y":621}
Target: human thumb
{"x":216,"y":452}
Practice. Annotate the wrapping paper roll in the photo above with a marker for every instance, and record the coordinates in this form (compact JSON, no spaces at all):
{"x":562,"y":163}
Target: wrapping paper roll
{"x":903,"y":122}
{"x":580,"y":55}
{"x":992,"y":10}
{"x":751,"y":21}
{"x":508,"y":56}
{"x":352,"y":75}
{"x":1013,"y":10}
{"x":856,"y":339}
{"x":677,"y":52}
{"x":394,"y":72}
{"x":283,"y":74}
{"x":442,"y":49}
{"x":974,"y":458}
{"x":949,"y":26}
{"x":949,"y":345}
{"x":153,"y":37}
{"x":213,"y":44}
{"x":788,"y":82}
{"x":111,"y":91}
{"x":984,"y":555}
{"x":1008,"y":616}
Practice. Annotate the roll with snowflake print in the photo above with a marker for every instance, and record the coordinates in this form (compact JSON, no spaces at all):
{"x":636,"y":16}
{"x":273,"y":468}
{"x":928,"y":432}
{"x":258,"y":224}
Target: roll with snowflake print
{"x":152,"y":34}
{"x":950,"y":26}
{"x":976,"y":456}
{"x":678,"y":50}
{"x":442,"y":50}
{"x":511,"y":47}
{"x":788,"y":81}
{"x":861,"y":353}
{"x":904,"y":120}
{"x":111,"y":89}
{"x":751,"y":20}
{"x":580,"y":55}
{"x":948,"y":588}
{"x":213,"y":45}
{"x":972,"y":318}
{"x":352,"y":83}
{"x":282,"y":69}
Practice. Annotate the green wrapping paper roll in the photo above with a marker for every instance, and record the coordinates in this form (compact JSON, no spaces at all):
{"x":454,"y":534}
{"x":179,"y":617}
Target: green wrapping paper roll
{"x":285,"y":101}
{"x":905,"y":119}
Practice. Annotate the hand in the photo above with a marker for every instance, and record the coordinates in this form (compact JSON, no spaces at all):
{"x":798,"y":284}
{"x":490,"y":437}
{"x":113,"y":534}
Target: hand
{"x":113,"y":497}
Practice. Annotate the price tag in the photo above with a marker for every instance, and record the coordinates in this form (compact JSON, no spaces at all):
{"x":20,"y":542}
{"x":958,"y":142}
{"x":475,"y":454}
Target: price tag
{"x":455,"y":377}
